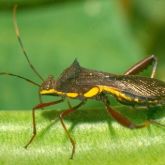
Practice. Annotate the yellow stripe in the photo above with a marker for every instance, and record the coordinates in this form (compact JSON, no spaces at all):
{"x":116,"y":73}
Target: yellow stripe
{"x":53,"y":91}
{"x":98,"y":89}
{"x":115,"y":92}
{"x":92,"y":92}
{"x":50,"y":91}
{"x":72,"y":94}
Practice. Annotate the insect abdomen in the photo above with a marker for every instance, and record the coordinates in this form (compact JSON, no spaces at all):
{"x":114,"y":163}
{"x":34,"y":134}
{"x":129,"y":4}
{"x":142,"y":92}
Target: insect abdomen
{"x":140,"y":90}
{"x":139,"y":100}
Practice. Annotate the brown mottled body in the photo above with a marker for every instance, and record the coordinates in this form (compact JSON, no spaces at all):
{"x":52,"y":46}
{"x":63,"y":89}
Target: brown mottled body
{"x":137,"y":89}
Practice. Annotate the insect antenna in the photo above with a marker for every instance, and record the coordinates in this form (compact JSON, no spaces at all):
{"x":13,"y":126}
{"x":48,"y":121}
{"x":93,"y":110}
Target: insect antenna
{"x":21,"y":43}
{"x":21,"y":77}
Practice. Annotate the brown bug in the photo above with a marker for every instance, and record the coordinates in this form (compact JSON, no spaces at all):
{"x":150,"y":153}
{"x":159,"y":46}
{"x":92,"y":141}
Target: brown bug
{"x":77,"y":82}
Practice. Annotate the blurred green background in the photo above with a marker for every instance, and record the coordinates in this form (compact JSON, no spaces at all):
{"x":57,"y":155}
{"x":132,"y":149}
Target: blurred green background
{"x":107,"y":35}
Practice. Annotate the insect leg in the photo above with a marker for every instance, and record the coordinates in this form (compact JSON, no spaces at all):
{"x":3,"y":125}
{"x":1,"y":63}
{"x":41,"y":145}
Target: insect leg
{"x":121,"y":119}
{"x":62,"y":115}
{"x":143,"y":64}
{"x":125,"y":121}
{"x":40,"y":98}
{"x":39,"y":106}
{"x":69,"y":105}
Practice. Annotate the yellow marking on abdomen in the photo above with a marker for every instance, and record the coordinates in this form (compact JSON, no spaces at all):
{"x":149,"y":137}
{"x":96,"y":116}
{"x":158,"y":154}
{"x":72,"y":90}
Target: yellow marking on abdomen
{"x":53,"y":91}
{"x":73,"y":95}
{"x":50,"y":91}
{"x":115,"y":92}
{"x":92,"y":92}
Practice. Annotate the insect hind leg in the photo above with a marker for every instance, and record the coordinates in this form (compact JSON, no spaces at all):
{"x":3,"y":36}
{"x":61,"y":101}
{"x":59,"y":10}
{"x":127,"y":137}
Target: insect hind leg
{"x":122,"y":119}
{"x":143,"y":64}
{"x":125,"y":121}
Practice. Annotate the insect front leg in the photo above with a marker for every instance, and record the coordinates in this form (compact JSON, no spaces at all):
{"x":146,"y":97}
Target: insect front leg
{"x":39,"y":106}
{"x":62,"y":115}
{"x":40,"y":98}
{"x":143,"y":64}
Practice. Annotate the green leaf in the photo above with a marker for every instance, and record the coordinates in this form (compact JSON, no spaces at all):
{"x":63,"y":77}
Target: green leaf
{"x":99,"y":140}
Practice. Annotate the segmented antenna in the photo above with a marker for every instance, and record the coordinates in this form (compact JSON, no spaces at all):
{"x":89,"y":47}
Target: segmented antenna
{"x":18,"y":76}
{"x":21,"y":43}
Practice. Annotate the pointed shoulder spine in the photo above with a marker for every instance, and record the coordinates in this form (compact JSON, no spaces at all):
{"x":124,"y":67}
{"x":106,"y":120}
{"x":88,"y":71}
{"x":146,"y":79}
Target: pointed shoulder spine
{"x":76,"y":63}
